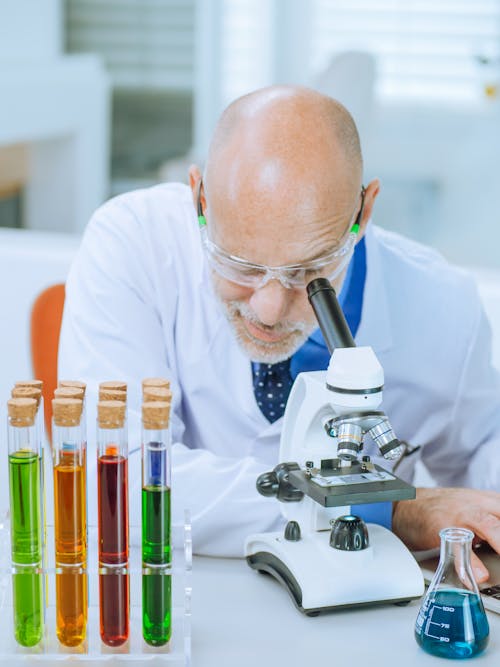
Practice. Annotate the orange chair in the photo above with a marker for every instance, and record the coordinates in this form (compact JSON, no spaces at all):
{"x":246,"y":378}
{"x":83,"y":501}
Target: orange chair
{"x":46,"y":318}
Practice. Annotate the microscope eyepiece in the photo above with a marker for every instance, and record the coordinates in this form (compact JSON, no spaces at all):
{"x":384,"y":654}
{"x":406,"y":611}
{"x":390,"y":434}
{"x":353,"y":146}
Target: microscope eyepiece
{"x":329,"y":314}
{"x":316,"y":285}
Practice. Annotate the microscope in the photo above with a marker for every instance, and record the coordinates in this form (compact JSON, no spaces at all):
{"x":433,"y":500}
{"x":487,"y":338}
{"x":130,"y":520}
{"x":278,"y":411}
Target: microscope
{"x":327,"y":557}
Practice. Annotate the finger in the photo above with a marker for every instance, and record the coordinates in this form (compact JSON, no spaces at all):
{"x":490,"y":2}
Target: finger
{"x":487,"y":527}
{"x":488,"y":500}
{"x":479,"y":570}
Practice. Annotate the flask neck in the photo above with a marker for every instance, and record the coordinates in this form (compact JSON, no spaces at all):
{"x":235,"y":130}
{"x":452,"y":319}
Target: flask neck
{"x":455,"y":566}
{"x":456,"y":544}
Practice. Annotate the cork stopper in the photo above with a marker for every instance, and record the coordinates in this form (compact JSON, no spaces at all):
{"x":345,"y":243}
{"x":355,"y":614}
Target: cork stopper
{"x":27,"y":392}
{"x":112,"y":395}
{"x":73,"y":383}
{"x":155,"y":415}
{"x":157,"y":383}
{"x":113,"y":385}
{"x":111,"y":414}
{"x":152,"y":394}
{"x":30,"y":383}
{"x":69,"y":392}
{"x":22,"y":411}
{"x":67,"y":411}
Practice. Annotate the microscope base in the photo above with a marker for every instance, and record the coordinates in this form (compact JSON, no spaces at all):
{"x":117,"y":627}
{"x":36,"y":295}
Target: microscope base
{"x":320,"y":578}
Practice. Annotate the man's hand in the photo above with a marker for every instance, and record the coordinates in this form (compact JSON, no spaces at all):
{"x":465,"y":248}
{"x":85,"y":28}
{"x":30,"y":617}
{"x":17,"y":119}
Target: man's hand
{"x":418,"y":522}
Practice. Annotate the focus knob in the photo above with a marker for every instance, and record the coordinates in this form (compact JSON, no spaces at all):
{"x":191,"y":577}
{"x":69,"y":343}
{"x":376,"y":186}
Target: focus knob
{"x":349,"y":533}
{"x":267,"y":484}
{"x":277,"y":484}
{"x":292,"y":531}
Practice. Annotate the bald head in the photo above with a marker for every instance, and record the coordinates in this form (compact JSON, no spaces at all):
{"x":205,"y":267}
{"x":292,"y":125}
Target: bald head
{"x":282,"y":187}
{"x":283,"y":176}
{"x":287,"y":129}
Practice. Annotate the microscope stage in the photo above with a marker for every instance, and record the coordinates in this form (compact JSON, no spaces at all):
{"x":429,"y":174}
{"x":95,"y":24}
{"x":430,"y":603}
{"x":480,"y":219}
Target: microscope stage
{"x":333,"y":486}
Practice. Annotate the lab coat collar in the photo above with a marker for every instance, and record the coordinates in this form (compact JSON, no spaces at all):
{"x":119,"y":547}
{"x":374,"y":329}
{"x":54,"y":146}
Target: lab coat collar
{"x":375,"y":325}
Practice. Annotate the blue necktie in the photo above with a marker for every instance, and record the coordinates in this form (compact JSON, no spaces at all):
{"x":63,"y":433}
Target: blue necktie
{"x":271,"y":385}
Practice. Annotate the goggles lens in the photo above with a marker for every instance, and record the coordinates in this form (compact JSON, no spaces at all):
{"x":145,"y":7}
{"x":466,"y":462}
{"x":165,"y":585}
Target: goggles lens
{"x":242,"y":272}
{"x":297,"y":276}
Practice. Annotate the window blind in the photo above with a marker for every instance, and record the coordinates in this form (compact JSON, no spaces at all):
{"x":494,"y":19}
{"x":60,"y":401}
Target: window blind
{"x":144,"y":43}
{"x":426,"y":48}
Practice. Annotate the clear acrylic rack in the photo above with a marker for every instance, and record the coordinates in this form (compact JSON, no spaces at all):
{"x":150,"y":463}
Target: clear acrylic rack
{"x":176,"y":653}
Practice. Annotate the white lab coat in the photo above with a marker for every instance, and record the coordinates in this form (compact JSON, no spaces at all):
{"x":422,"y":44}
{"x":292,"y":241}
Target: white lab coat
{"x":139,"y":303}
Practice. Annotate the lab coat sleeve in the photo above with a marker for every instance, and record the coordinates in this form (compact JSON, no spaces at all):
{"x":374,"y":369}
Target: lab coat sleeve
{"x":112,"y":331}
{"x":470,"y":454}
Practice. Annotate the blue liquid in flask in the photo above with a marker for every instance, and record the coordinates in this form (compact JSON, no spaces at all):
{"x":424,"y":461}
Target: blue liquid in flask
{"x":452,"y":624}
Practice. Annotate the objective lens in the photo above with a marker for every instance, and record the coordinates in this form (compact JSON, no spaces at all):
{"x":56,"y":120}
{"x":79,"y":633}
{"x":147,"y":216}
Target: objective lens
{"x":349,"y":439}
{"x":385,"y":439}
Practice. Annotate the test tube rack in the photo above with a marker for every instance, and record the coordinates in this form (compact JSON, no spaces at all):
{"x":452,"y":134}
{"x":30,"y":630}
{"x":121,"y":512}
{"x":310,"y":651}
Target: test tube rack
{"x":176,"y":653}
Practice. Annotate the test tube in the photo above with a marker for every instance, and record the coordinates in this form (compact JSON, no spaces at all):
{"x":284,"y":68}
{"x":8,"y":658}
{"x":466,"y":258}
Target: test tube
{"x":26,"y":492}
{"x":40,"y":414}
{"x":76,"y":389}
{"x":34,"y":389}
{"x":156,"y":545}
{"x":112,"y":497}
{"x":70,"y":521}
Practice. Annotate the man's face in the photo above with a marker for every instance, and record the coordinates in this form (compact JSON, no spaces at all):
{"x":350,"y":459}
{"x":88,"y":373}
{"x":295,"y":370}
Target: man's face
{"x":272,"y":321}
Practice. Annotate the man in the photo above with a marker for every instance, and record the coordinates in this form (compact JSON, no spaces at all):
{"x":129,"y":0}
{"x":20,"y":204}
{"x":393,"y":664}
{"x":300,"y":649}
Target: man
{"x":220,"y":312}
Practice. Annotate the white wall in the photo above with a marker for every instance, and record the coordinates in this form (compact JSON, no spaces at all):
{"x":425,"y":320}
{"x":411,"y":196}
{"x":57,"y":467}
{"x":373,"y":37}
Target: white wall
{"x":31,"y":30}
{"x":440,"y":170}
{"x":58,"y":107}
{"x":29,"y":262}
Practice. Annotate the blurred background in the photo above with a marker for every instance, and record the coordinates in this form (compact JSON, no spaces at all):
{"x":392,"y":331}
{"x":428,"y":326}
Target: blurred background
{"x":140,"y":83}
{"x":101,"y":96}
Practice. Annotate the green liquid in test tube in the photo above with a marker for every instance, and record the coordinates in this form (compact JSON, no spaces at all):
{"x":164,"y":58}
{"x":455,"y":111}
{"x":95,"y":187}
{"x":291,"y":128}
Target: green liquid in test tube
{"x":26,"y":522}
{"x":156,"y":545}
{"x":156,"y":584}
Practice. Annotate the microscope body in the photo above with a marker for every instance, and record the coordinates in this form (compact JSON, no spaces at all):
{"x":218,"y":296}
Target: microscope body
{"x":326,"y":556}
{"x":312,"y":405}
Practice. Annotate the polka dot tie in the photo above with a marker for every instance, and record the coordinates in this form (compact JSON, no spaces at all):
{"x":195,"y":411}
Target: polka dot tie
{"x":271,"y":385}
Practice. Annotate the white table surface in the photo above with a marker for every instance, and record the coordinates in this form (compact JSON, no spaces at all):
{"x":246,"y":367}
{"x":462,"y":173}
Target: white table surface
{"x":245,"y":619}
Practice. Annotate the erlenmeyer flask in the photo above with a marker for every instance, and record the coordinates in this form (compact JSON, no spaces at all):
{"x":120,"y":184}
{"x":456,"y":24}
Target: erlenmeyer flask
{"x":452,"y":622}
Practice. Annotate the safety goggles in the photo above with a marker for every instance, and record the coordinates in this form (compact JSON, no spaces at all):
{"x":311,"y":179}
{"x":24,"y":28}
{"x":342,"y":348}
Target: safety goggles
{"x":293,"y":276}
